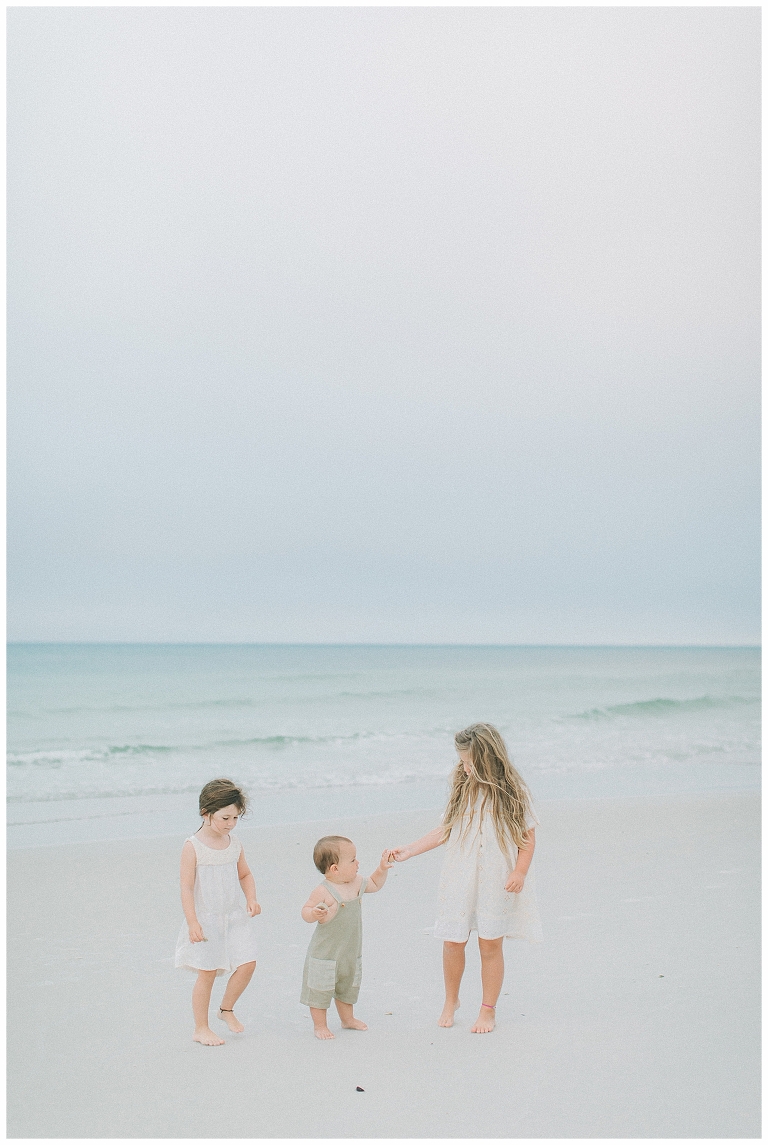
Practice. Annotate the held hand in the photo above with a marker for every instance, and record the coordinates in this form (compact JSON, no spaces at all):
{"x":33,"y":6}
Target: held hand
{"x":252,"y":908}
{"x":400,"y":854}
{"x":386,"y":861}
{"x":196,"y":933}
{"x":514,"y":883}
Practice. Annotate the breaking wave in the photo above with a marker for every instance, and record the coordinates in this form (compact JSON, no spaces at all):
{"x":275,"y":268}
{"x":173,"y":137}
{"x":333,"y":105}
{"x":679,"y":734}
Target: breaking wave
{"x":664,"y":707}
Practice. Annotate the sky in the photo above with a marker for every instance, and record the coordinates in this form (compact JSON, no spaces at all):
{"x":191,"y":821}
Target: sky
{"x":387,"y":325}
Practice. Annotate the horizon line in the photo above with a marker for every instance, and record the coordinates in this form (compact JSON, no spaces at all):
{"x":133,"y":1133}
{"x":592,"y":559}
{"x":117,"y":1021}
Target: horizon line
{"x":338,"y":644}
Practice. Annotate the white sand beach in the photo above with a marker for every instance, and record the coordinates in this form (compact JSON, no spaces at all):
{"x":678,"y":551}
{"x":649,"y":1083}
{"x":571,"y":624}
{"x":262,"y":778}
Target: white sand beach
{"x":637,"y":1017}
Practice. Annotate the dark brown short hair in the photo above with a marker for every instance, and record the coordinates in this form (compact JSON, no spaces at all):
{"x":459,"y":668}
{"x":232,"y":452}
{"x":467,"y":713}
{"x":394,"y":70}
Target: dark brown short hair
{"x":221,"y":793}
{"x":326,"y":851}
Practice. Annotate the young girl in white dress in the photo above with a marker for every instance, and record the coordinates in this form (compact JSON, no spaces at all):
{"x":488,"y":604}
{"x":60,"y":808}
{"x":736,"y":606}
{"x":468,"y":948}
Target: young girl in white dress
{"x":218,"y":896}
{"x":488,"y":830}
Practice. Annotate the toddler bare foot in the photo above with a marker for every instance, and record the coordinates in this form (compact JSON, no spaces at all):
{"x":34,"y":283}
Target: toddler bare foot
{"x":486,"y":1021}
{"x":353,"y":1024}
{"x":228,"y":1016}
{"x":206,"y":1037}
{"x":446,"y":1018}
{"x":323,"y":1033}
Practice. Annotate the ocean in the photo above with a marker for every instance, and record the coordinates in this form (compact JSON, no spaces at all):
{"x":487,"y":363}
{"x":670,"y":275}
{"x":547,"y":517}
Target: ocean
{"x":109,"y":741}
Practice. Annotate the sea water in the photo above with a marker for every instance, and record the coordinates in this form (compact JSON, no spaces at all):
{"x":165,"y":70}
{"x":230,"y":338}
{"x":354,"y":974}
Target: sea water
{"x":114,"y":741}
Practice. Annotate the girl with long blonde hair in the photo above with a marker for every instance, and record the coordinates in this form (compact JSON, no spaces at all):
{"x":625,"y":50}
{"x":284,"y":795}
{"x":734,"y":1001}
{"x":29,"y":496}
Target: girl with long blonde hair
{"x":488,"y":830}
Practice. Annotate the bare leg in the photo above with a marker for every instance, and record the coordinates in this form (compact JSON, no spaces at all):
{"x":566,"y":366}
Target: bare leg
{"x":237,"y":983}
{"x":348,"y":1019}
{"x":492,"y":972}
{"x":453,"y":969}
{"x":320,"y":1019}
{"x":201,"y":1000}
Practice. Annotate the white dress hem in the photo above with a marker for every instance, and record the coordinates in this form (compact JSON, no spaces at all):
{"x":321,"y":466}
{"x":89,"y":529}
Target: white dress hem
{"x":220,"y":910}
{"x":472,"y":897}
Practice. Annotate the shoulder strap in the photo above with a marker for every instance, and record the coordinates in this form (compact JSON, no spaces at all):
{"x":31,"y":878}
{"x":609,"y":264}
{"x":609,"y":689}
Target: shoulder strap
{"x":363,"y":885}
{"x":333,"y":891}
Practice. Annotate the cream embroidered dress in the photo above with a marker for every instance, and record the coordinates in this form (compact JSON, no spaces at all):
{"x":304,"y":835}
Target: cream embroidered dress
{"x":472,"y":895}
{"x":220,"y":910}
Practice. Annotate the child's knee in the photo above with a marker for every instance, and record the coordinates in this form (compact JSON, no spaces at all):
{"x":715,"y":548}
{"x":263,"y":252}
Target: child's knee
{"x":454,"y":946}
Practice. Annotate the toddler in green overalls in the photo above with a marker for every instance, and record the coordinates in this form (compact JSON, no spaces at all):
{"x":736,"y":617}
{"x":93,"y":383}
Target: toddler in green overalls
{"x":333,"y":967}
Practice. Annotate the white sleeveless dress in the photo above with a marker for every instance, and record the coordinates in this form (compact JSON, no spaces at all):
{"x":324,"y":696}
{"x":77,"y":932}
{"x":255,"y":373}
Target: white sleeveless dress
{"x":220,"y":909}
{"x":472,"y":896}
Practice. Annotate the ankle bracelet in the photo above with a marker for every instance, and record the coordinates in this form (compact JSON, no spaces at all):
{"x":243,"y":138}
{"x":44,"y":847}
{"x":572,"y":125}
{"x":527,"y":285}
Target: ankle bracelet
{"x":487,"y":1006}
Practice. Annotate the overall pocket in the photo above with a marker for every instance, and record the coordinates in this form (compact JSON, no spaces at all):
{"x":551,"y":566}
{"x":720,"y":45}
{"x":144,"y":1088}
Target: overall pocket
{"x":358,"y":973}
{"x":321,"y":974}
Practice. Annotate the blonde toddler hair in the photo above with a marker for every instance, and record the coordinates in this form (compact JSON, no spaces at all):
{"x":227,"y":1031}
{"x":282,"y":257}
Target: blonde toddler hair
{"x":327,"y":852}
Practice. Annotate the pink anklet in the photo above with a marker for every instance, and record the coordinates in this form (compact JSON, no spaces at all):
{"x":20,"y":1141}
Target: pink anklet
{"x":487,"y":1006}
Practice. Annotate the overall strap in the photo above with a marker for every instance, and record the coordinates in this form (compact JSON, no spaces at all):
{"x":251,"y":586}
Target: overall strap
{"x":333,"y":891}
{"x":363,"y":885}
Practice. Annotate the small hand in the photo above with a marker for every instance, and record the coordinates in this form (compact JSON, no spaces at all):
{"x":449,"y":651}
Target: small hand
{"x":196,"y":933}
{"x":321,"y":912}
{"x":514,"y":883}
{"x":252,"y":908}
{"x":400,"y":854}
{"x":386,"y":861}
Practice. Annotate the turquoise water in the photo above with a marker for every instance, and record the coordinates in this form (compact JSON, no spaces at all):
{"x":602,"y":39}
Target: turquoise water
{"x":112,"y":740}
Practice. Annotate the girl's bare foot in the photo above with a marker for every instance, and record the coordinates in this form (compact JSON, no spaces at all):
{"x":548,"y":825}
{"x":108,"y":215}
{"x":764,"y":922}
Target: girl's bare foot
{"x":206,"y":1037}
{"x":323,"y":1033}
{"x":486,"y":1020}
{"x":353,"y":1024}
{"x":446,"y":1018}
{"x":228,"y":1016}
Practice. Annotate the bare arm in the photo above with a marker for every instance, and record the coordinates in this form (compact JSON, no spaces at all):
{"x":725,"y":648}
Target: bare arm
{"x":427,"y":842}
{"x":516,"y":880}
{"x":187,"y":880}
{"x":313,"y":911}
{"x":248,"y":885}
{"x":377,"y":880}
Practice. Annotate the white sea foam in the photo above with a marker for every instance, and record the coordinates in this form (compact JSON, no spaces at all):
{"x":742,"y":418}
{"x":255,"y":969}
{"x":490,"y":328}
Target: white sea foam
{"x":101,"y":722}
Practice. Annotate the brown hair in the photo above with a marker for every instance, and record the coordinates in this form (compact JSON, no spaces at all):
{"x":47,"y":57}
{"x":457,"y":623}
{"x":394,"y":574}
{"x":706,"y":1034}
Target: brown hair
{"x":327,"y":852}
{"x":222,"y":793}
{"x":494,"y":782}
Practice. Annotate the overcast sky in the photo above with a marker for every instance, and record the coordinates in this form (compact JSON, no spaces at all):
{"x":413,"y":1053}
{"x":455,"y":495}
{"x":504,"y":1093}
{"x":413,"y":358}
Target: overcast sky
{"x":384,"y":324}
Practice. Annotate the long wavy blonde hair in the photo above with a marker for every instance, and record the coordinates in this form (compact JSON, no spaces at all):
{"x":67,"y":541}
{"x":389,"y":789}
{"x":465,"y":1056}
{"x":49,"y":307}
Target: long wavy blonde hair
{"x":493,"y":784}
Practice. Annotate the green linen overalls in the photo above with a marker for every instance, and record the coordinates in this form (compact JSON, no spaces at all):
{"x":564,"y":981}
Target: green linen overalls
{"x":334,"y":964}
